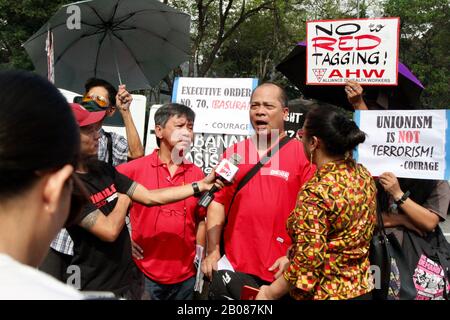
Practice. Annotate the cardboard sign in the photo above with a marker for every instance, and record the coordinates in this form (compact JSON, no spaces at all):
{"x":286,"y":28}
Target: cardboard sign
{"x":221,"y":105}
{"x":207,"y":148}
{"x":408,"y":143}
{"x":364,"y":50}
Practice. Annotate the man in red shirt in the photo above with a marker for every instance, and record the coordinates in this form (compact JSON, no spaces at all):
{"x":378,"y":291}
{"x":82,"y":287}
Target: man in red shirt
{"x":255,"y":236}
{"x":165,"y":236}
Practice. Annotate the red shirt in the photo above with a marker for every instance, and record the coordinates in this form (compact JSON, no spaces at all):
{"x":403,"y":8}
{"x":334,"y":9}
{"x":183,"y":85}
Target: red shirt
{"x":255,"y":234}
{"x":166,"y":235}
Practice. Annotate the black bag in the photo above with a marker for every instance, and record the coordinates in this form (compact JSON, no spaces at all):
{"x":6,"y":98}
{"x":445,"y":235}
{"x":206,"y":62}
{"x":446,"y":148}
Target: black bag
{"x":227,"y":285}
{"x":393,"y":277}
{"x":429,"y":258}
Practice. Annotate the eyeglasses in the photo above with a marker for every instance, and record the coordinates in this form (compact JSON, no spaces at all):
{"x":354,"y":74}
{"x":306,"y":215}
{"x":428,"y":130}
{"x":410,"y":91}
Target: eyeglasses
{"x":100,"y":100}
{"x":171,"y":221}
{"x":92,"y":102}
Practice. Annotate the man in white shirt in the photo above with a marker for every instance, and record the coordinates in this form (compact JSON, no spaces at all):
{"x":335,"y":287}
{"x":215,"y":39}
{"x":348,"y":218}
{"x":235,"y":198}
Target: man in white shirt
{"x":39,"y":145}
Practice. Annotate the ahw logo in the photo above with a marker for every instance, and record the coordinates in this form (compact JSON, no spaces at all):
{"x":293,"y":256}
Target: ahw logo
{"x":319,"y":73}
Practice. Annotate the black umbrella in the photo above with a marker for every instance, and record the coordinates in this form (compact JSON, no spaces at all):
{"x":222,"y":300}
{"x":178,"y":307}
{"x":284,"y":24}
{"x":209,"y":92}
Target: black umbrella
{"x":404,"y":96}
{"x":136,"y":42}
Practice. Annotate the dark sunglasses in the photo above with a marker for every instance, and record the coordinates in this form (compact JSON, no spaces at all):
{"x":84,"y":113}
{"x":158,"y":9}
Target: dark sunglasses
{"x":100,"y":100}
{"x":89,"y":104}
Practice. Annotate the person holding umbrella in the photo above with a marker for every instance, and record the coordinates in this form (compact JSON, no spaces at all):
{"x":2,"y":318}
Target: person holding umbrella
{"x":99,"y":95}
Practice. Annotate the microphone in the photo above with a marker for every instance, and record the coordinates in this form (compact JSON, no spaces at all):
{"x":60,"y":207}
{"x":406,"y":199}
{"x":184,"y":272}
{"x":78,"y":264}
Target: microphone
{"x":226,"y":170}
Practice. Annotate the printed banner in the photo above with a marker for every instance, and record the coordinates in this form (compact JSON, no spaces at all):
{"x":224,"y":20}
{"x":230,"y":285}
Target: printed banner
{"x":408,"y":143}
{"x":207,"y":149}
{"x":221,"y":105}
{"x":295,"y":118}
{"x":364,"y":50}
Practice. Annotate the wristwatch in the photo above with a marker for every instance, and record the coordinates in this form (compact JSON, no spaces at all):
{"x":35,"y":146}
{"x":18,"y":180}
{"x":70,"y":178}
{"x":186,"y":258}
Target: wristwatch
{"x":405,"y":196}
{"x":197,"y":192}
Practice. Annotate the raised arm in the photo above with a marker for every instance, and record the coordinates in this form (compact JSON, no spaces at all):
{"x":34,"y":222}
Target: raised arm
{"x":123,"y":102}
{"x":354,"y":93}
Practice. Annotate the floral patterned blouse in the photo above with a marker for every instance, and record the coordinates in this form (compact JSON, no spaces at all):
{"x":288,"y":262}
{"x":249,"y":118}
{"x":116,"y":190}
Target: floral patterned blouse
{"x":331,"y":228}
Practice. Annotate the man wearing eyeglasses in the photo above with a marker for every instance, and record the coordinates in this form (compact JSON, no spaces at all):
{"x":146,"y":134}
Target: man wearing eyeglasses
{"x":113,"y":148}
{"x":101,"y":95}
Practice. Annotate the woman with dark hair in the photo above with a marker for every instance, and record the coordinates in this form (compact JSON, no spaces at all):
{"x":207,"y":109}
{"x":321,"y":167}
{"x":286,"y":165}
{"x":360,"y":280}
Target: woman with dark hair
{"x":39,"y":144}
{"x":332,"y":224}
{"x":411,"y":208}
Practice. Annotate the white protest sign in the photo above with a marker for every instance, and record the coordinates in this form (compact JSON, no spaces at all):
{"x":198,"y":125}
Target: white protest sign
{"x":221,"y":105}
{"x":409,"y":143}
{"x":206,"y":149}
{"x":364,"y":50}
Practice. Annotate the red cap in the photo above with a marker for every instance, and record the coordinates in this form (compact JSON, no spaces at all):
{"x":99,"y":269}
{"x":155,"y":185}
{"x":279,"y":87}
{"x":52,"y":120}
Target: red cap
{"x":84,"y":117}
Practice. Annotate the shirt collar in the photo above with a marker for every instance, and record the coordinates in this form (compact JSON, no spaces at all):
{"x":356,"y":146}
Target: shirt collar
{"x":334,"y":165}
{"x":156,"y":162}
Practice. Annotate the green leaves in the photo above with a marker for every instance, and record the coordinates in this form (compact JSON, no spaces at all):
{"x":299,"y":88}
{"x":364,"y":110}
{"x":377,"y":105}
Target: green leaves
{"x":18,"y":21}
{"x":424,"y":45}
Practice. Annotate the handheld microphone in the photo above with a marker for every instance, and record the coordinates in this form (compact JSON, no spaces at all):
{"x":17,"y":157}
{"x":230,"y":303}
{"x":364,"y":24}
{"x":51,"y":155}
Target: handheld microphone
{"x":226,"y":170}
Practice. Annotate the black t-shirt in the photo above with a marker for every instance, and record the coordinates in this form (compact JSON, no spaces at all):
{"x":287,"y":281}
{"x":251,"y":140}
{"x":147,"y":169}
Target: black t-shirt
{"x":104,"y":266}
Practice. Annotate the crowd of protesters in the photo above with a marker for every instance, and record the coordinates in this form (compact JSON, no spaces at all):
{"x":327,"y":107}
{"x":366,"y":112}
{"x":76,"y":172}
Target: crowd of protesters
{"x":296,"y":222}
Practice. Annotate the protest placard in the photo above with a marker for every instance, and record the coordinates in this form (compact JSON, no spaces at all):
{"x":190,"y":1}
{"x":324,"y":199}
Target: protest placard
{"x":221,"y":105}
{"x":364,"y":50}
{"x":207,"y":148}
{"x":408,"y":143}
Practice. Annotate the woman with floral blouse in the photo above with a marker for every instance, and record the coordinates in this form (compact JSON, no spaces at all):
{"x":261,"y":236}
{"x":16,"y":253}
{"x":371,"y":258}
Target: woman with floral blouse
{"x":332,"y":224}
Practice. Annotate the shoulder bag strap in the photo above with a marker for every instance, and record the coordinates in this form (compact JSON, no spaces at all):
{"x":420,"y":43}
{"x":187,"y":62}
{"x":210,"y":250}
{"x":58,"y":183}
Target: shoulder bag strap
{"x":258,"y":166}
{"x":109,"y":147}
{"x":247,"y":178}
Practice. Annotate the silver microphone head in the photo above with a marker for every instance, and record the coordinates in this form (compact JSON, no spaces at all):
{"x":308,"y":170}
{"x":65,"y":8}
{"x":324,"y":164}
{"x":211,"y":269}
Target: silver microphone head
{"x":235,"y":159}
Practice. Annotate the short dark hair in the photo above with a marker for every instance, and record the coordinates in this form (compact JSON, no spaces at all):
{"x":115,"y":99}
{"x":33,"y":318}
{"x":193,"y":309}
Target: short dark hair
{"x":338,"y":133}
{"x":38,"y":131}
{"x":96,"y":82}
{"x":169,"y":110}
{"x":283,"y":95}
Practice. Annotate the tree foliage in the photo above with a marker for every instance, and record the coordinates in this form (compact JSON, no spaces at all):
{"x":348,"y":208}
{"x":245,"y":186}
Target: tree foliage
{"x":424,"y":45}
{"x":248,"y":38}
{"x":19,"y":19}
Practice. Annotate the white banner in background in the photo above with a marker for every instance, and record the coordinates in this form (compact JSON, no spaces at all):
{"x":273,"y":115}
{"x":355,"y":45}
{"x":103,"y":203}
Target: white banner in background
{"x":221,"y":105}
{"x":364,"y":50}
{"x":408,"y":143}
